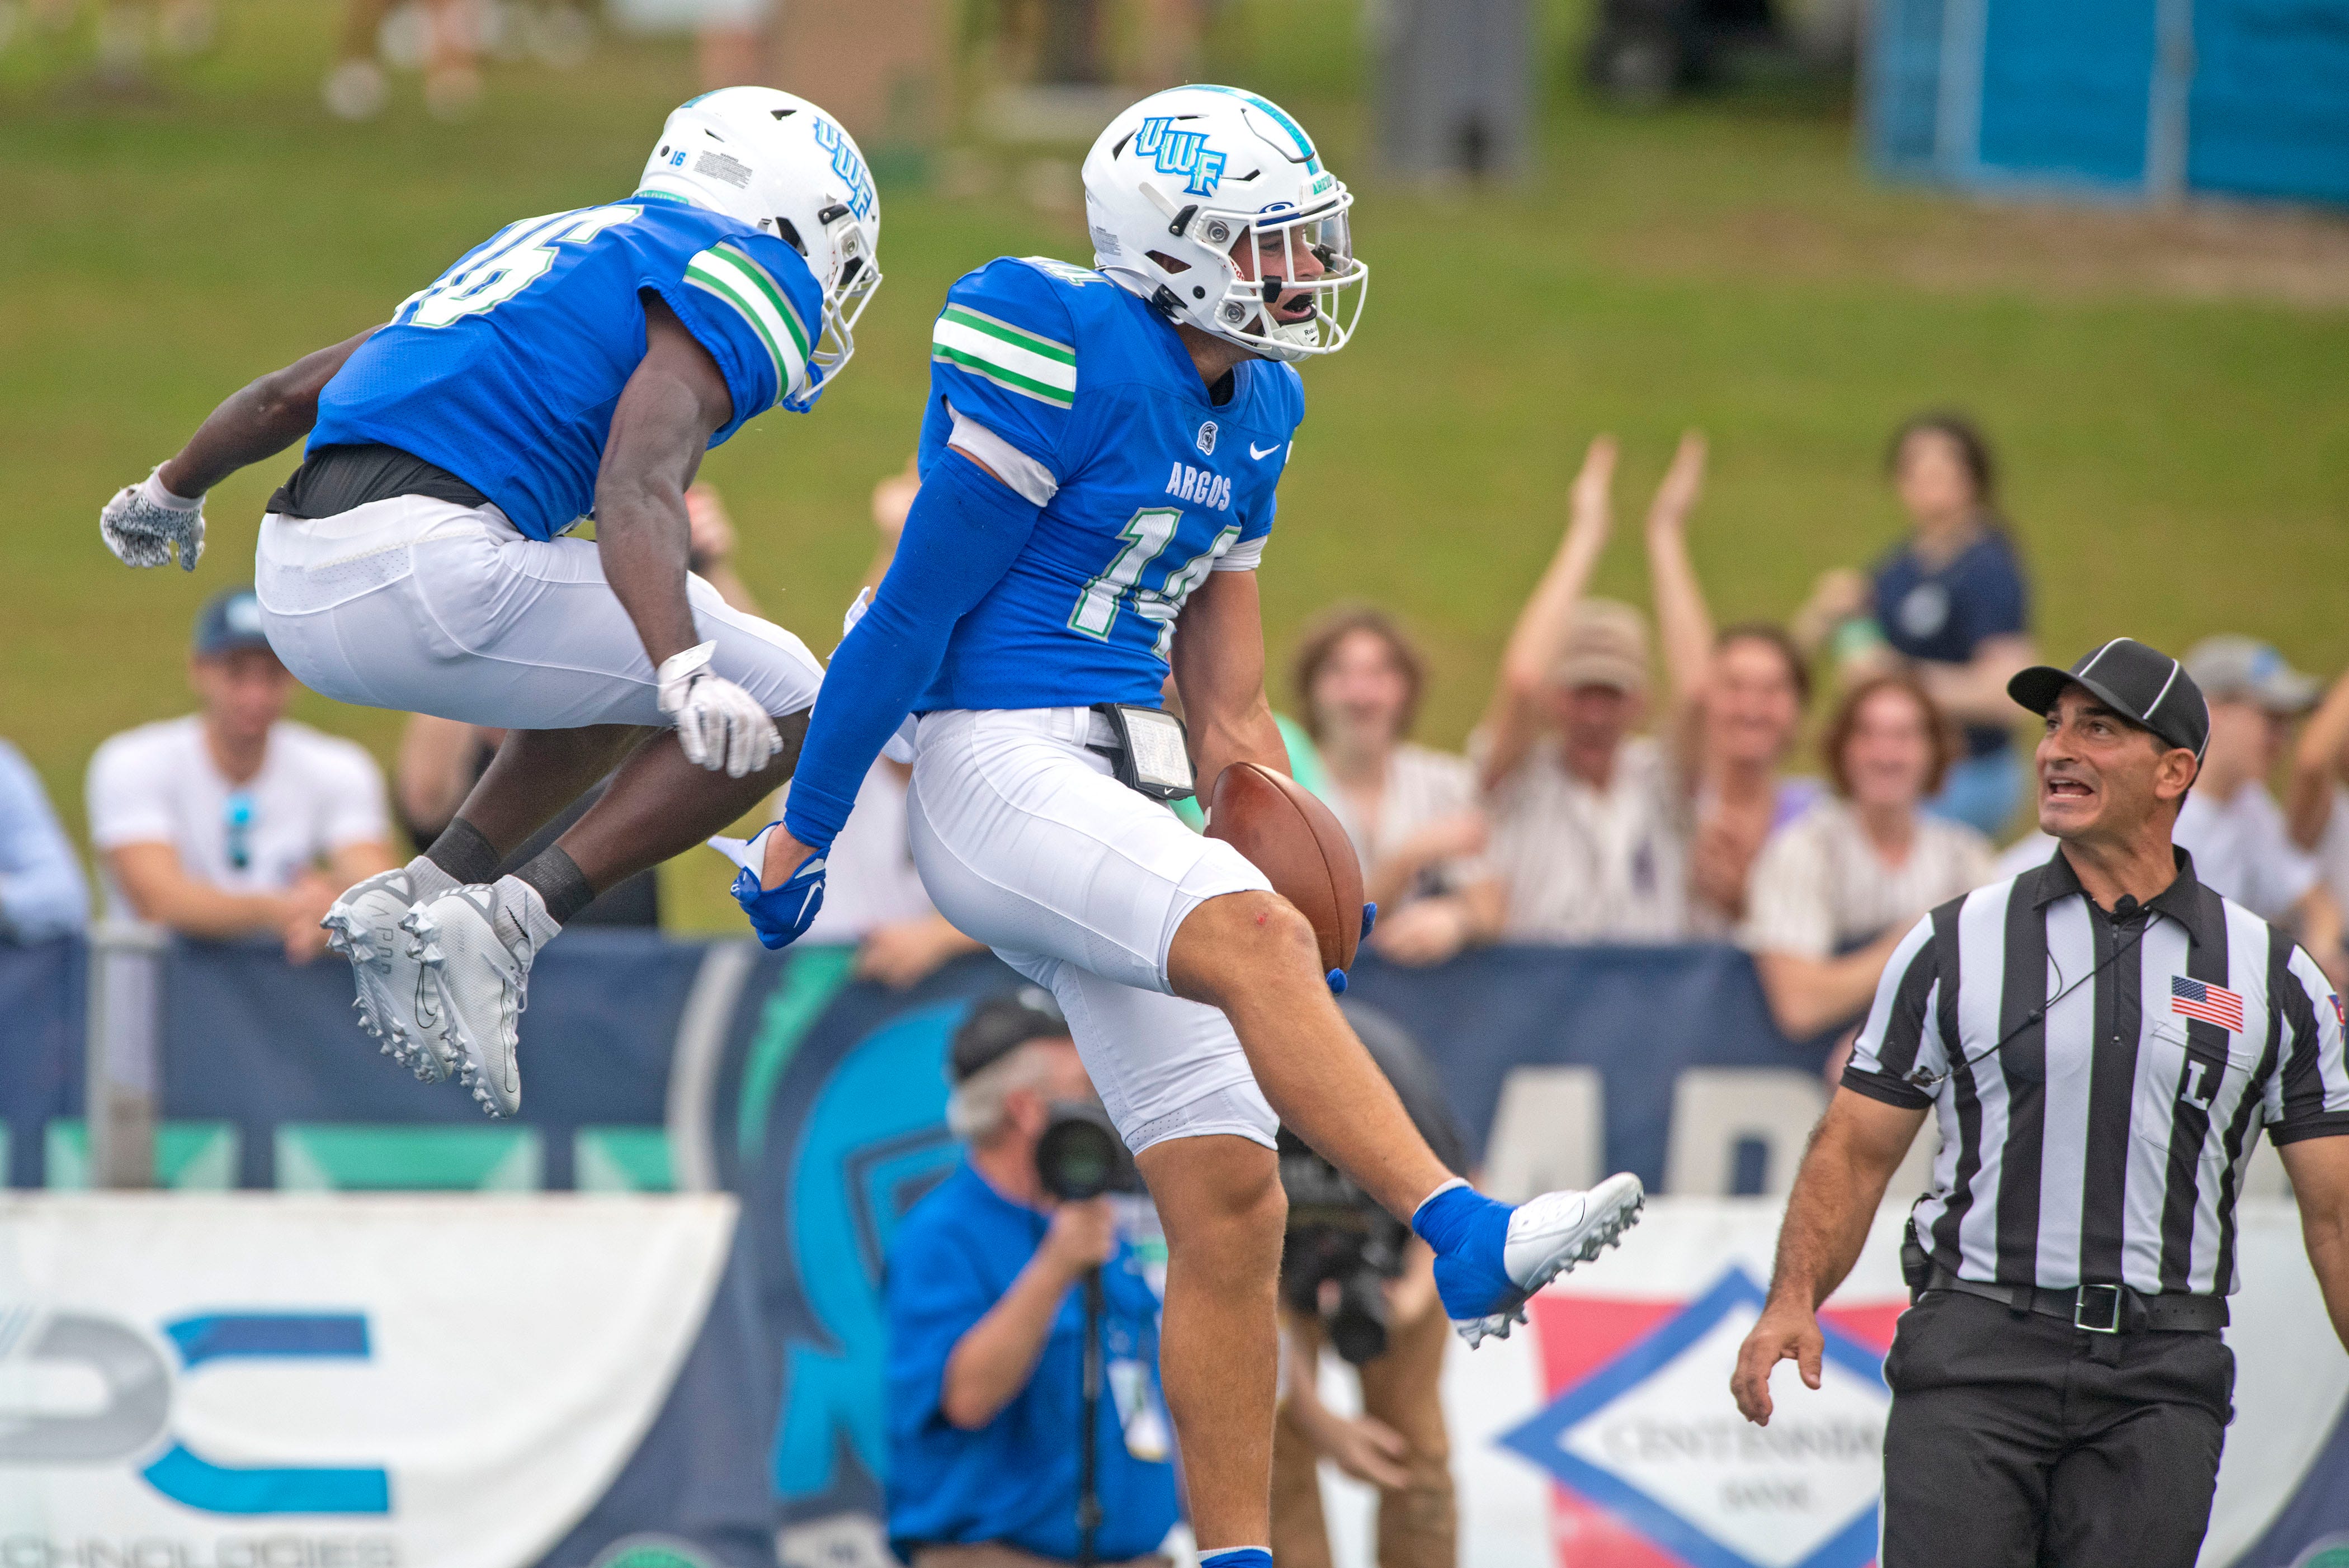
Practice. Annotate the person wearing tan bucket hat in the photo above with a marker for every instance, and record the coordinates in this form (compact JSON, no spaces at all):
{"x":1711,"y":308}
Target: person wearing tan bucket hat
{"x":1589,"y":817}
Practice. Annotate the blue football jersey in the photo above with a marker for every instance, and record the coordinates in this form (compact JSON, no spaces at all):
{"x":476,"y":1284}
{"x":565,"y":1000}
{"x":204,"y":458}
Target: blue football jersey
{"x":505,"y":370}
{"x":1156,"y":483}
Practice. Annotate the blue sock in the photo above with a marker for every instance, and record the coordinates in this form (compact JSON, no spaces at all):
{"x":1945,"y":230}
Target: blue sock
{"x":1447,"y":1220}
{"x":1237,"y":1557}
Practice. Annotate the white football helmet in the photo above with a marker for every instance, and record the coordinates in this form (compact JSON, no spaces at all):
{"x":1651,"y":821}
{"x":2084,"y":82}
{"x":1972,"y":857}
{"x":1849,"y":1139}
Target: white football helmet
{"x":776,"y":160}
{"x":1187,"y":190}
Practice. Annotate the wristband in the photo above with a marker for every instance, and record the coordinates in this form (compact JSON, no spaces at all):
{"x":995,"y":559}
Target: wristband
{"x":152,"y":491}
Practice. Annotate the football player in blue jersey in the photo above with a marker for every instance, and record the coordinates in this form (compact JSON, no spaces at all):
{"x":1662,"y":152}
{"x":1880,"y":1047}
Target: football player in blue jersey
{"x":573,"y":363}
{"x":1100,"y":455}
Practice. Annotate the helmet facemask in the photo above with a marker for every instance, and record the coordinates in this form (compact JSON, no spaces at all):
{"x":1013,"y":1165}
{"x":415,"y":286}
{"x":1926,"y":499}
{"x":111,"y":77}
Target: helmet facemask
{"x":853,"y":279}
{"x":1212,"y":204}
{"x":1260,"y":304}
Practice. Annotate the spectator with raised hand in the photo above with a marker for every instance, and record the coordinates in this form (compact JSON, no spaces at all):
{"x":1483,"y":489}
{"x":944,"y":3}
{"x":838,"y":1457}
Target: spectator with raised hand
{"x":1412,"y":813}
{"x":1835,"y":889}
{"x":1588,"y":827}
{"x":235,"y":819}
{"x":1737,"y":702}
{"x":2317,"y":801}
{"x":42,"y":894}
{"x":1949,"y":603}
{"x":2241,"y":844}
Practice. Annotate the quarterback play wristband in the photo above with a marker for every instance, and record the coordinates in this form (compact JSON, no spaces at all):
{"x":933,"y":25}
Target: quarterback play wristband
{"x":962,"y":535}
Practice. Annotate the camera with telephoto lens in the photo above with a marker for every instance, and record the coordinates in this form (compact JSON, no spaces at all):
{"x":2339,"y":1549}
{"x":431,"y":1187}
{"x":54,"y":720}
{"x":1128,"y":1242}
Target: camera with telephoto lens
{"x":1081,"y":1156}
{"x":1341,"y":1250}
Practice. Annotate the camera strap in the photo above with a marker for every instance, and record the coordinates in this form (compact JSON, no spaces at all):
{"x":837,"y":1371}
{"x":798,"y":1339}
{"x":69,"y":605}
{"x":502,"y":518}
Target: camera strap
{"x":1153,"y":752}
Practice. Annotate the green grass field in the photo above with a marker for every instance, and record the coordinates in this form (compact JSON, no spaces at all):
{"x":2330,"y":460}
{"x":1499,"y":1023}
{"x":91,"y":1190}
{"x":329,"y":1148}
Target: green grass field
{"x":2175,"y":436}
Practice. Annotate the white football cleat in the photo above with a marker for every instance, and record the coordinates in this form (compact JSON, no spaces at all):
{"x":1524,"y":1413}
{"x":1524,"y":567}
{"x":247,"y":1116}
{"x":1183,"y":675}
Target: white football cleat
{"x":482,"y":981}
{"x":394,"y":1002}
{"x":1546,"y":1237}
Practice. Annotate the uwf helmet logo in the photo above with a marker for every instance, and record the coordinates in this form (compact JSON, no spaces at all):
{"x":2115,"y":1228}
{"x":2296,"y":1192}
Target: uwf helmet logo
{"x":847,"y":165}
{"x":1180,"y":152}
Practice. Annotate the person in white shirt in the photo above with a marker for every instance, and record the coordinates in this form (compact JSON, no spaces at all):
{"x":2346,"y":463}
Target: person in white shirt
{"x":1589,"y":828}
{"x":1737,"y":700}
{"x":2242,"y":846}
{"x":877,"y":903}
{"x":1834,"y":891}
{"x":1605,"y":836}
{"x":1412,"y":813}
{"x":881,"y":908}
{"x":235,"y":819}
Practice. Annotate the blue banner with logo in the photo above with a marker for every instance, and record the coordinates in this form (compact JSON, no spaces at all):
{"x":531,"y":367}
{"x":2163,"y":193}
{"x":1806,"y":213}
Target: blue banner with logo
{"x":44,"y":991}
{"x":819,"y":1100}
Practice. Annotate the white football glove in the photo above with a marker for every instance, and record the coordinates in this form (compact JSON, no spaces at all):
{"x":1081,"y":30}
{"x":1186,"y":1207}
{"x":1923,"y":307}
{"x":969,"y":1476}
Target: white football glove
{"x":144,"y":522}
{"x":718,"y":724}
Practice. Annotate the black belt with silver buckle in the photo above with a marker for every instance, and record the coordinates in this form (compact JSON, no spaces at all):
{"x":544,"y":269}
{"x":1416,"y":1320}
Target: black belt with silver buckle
{"x":2097,"y":1309}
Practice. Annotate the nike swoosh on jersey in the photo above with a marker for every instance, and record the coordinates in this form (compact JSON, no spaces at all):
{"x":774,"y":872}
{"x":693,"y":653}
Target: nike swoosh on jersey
{"x":1260,"y":455}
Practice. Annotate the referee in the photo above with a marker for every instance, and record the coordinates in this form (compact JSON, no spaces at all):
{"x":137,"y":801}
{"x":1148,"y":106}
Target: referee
{"x":2103,"y":1039}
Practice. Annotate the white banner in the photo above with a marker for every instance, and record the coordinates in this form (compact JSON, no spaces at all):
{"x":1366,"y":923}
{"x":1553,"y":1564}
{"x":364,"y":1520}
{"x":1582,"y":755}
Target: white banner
{"x":1606,"y":1439}
{"x":254,"y":1380}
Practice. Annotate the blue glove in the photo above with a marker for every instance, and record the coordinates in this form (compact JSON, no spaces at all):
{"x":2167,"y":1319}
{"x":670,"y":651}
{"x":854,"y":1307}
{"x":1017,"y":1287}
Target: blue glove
{"x":1369,"y":921}
{"x":781,"y":915}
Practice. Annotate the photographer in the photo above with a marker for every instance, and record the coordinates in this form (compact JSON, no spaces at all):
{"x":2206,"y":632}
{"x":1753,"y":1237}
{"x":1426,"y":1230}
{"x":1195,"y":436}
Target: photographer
{"x":1355,"y":1280}
{"x":987,"y":1353}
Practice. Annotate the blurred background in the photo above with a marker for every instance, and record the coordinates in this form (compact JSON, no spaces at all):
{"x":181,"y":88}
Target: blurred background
{"x":1636,"y":216}
{"x":2113,"y":234}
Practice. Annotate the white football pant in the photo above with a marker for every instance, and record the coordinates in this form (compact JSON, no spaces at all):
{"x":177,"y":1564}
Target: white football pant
{"x":426,"y":607}
{"x":1028,"y":843}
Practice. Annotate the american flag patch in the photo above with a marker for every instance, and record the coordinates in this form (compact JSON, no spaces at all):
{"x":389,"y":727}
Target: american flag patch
{"x":2211,"y":1004}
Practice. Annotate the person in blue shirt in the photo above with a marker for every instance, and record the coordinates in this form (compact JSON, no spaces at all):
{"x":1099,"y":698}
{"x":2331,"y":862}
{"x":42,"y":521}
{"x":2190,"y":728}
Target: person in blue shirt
{"x":572,"y":365}
{"x":42,"y":890}
{"x":1100,"y":454}
{"x":1950,"y":604}
{"x":987,"y":1329}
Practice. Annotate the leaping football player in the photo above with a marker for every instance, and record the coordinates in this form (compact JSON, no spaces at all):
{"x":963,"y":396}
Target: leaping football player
{"x":576,"y":363}
{"x":1099,"y":459}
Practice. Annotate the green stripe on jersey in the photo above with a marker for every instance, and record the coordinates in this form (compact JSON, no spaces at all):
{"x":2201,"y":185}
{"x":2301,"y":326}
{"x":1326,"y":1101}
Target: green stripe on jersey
{"x":766,"y":285}
{"x":727,"y":276}
{"x":1008,"y":379}
{"x":1019,"y":337}
{"x":1008,"y":355}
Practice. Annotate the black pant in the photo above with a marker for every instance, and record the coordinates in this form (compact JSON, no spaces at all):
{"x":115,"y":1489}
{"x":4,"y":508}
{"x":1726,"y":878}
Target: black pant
{"x":2013,"y":1442}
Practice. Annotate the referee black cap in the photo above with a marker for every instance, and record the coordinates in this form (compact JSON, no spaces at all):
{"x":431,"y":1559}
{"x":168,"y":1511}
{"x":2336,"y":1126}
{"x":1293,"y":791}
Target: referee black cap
{"x":2142,"y":685}
{"x":1001,"y":1024}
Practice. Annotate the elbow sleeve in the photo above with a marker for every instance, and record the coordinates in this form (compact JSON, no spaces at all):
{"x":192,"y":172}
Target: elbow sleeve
{"x":962,"y":535}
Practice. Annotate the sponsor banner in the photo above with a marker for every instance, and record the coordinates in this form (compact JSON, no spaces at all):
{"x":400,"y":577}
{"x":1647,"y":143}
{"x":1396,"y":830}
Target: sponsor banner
{"x":251,"y":1040}
{"x":245,"y":1381}
{"x":1638,"y":1014}
{"x":1606,"y":1438}
{"x":270,"y":1050}
{"x":43,"y":989}
{"x":857,"y":1133}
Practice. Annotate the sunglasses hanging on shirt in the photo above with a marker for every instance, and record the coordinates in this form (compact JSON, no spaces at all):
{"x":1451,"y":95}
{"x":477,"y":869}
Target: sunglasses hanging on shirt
{"x":238,"y":818}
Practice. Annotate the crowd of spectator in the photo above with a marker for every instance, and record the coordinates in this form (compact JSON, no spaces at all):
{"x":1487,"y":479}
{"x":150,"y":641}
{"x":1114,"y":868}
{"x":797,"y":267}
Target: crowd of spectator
{"x":1594,"y":801}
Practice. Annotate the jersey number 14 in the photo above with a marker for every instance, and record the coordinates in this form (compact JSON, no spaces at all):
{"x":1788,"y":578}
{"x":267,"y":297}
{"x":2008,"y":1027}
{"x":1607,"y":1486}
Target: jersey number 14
{"x":1146,"y":534}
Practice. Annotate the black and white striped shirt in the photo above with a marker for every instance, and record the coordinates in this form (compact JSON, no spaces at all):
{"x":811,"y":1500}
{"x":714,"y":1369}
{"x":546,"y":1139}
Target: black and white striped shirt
{"x":2106,"y":1140}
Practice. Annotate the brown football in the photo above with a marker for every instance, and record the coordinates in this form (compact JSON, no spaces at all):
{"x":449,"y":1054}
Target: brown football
{"x":1295,"y":840}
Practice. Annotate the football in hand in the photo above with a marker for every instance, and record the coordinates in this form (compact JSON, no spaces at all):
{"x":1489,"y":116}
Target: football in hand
{"x":1295,"y":840}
